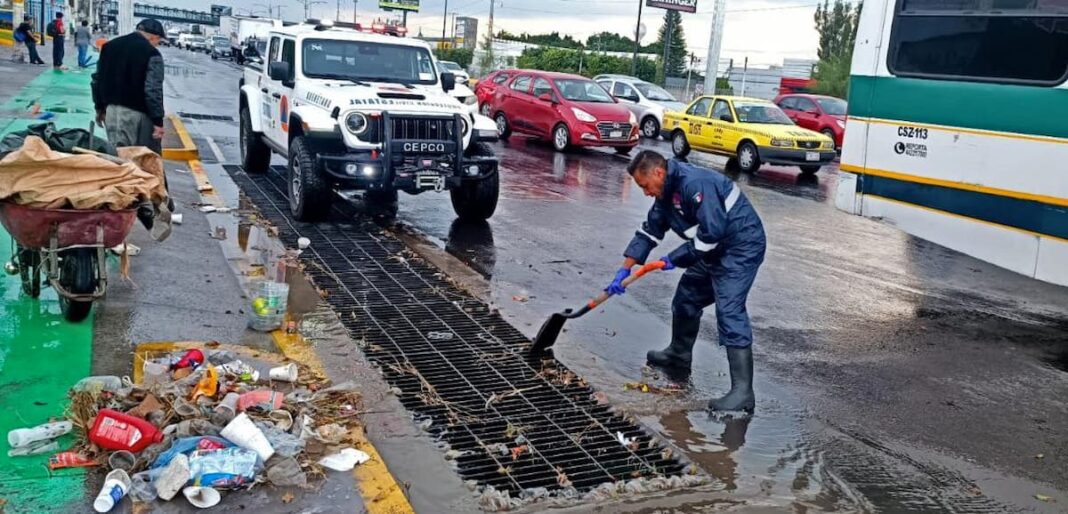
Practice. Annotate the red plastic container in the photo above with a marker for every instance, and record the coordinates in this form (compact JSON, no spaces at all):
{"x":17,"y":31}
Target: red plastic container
{"x":114,"y":430}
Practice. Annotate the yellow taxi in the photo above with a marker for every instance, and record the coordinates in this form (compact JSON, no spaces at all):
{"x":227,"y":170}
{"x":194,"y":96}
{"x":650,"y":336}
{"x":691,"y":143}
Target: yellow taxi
{"x":750,"y":130}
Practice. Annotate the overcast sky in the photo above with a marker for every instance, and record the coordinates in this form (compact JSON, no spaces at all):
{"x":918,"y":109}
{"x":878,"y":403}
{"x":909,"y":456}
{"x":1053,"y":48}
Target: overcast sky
{"x":764,"y":30}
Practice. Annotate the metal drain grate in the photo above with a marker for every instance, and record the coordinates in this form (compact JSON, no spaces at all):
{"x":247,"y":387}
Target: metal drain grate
{"x":209,"y":117}
{"x":461,"y":366}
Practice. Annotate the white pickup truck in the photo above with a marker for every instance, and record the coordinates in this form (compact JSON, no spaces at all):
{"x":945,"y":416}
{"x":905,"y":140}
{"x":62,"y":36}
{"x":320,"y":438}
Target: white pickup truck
{"x":351,"y":110}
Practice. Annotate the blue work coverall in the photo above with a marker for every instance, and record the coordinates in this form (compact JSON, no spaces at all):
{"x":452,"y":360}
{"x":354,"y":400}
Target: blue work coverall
{"x":724,"y":248}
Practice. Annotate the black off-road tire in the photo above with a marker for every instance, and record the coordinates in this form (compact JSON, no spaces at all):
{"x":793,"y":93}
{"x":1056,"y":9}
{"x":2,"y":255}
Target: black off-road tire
{"x":310,"y":193}
{"x":477,"y":199}
{"x":77,"y":274}
{"x":255,"y":155}
{"x":810,"y":169}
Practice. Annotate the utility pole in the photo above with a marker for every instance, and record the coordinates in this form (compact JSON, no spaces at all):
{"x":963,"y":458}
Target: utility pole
{"x":453,"y":29}
{"x":338,"y":15}
{"x":689,"y":73}
{"x":667,"y":48}
{"x":489,"y":50}
{"x":444,"y":23}
{"x":354,"y":2}
{"x":745,"y":70}
{"x":637,"y":42}
{"x":715,"y":40}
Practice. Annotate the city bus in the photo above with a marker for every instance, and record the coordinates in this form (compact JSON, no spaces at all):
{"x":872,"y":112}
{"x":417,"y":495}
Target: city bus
{"x":957,"y":128}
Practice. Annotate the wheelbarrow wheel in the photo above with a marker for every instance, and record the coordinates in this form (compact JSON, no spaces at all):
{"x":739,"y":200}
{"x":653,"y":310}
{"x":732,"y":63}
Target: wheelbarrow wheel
{"x":77,"y":274}
{"x":30,"y":272}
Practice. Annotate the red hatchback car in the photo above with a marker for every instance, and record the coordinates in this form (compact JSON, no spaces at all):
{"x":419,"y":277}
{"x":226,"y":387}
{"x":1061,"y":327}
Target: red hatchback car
{"x":824,"y":114}
{"x":568,"y":110}
{"x":487,"y":88}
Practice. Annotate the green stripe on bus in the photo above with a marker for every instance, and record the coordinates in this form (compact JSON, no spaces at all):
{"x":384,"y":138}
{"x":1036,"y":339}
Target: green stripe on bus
{"x":999,"y":107}
{"x":1026,"y":215}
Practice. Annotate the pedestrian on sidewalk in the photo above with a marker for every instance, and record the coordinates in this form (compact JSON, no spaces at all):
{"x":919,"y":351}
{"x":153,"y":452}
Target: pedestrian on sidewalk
{"x":82,"y":38}
{"x":57,"y":30}
{"x":723,"y":248}
{"x":25,"y":32}
{"x":128,"y":87}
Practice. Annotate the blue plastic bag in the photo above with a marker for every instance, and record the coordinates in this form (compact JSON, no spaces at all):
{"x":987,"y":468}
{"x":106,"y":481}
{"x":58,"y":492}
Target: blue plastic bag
{"x":230,"y":468}
{"x":188,"y":445}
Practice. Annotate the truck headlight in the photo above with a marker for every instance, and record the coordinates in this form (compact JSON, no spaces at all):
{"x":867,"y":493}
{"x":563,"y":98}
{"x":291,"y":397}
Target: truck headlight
{"x":465,"y":126}
{"x":782,"y":142}
{"x":356,"y":123}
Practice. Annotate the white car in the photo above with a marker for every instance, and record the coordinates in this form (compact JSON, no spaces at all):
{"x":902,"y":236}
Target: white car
{"x":462,"y":77}
{"x":351,"y":110}
{"x":647,"y":101}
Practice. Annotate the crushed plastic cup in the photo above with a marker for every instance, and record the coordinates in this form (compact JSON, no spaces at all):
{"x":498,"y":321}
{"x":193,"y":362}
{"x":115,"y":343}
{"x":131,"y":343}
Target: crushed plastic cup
{"x":303,"y":243}
{"x":287,"y":373}
{"x":244,"y":433}
{"x":116,"y":485}
{"x":176,"y":219}
{"x":123,"y":460}
{"x":202,"y":497}
{"x":226,"y":409}
{"x":263,"y":399}
{"x":98,"y":384}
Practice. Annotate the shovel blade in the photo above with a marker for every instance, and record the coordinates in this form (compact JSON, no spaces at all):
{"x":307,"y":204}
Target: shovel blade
{"x":547,"y":335}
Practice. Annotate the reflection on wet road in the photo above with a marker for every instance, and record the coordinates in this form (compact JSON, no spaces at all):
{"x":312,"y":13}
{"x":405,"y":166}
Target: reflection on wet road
{"x":881,"y":358}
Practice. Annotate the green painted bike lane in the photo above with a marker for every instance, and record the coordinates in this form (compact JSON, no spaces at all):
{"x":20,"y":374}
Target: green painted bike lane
{"x":41,"y":354}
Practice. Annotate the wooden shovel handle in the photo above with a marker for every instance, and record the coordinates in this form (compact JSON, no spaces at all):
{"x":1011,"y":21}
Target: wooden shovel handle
{"x":652,"y":266}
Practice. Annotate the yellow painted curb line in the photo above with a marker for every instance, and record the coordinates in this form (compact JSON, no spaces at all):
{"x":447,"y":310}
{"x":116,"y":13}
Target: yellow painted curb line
{"x":379,"y":489}
{"x":188,"y":151}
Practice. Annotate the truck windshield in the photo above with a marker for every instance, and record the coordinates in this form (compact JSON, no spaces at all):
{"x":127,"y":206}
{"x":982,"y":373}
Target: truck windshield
{"x":361,"y":60}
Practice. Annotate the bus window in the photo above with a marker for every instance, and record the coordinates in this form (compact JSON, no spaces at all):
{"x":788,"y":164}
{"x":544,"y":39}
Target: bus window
{"x":1012,"y":41}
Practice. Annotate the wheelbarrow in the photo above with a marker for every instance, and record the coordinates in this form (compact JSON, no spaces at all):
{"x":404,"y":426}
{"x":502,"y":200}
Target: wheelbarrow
{"x":69,"y":247}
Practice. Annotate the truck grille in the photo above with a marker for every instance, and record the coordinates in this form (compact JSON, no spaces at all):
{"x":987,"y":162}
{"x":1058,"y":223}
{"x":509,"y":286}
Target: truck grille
{"x":424,"y":129}
{"x":607,"y":128}
{"x":808,"y":145}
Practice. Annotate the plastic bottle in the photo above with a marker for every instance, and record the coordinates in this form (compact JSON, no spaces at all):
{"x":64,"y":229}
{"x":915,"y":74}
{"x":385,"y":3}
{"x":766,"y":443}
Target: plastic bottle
{"x":113,"y":430}
{"x":109,"y":383}
{"x":22,"y":437}
{"x":116,"y":485}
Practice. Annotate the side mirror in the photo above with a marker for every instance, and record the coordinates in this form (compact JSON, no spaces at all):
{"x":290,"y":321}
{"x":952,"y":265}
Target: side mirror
{"x":448,"y":81}
{"x":278,"y":71}
{"x":547,"y":97}
{"x":727,"y":118}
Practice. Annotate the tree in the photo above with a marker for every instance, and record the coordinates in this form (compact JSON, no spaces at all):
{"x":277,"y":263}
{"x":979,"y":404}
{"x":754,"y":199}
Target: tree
{"x":837,"y":28}
{"x":612,"y":42}
{"x":485,"y":61}
{"x":676,"y":61}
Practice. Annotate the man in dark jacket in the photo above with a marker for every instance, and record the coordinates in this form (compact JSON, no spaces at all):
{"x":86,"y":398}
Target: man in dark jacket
{"x":128,"y":87}
{"x":25,"y":34}
{"x":58,"y":31}
{"x":723,"y":250}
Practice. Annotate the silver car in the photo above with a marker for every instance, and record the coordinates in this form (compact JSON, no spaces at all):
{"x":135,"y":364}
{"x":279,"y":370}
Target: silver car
{"x":647,"y":101}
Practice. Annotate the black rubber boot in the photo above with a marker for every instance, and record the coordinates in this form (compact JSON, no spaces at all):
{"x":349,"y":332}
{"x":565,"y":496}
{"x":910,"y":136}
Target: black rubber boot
{"x":678,"y":353}
{"x":740,"y":397}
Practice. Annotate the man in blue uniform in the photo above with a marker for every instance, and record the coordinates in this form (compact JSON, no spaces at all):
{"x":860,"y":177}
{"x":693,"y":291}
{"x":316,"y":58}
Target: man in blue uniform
{"x":723,"y":250}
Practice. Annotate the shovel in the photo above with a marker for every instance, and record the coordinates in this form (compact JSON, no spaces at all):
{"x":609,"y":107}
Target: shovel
{"x":551,"y":329}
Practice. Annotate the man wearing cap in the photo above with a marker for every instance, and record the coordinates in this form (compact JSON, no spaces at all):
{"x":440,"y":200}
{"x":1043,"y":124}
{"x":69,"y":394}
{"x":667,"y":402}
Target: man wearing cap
{"x":128,"y":87}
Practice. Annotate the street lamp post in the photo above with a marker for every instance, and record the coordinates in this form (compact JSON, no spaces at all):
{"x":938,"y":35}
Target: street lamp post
{"x":637,"y":43}
{"x":444,"y":23}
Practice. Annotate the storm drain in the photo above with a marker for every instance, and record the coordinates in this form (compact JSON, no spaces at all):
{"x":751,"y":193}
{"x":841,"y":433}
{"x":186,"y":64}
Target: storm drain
{"x":208,"y":117}
{"x":461,"y":368}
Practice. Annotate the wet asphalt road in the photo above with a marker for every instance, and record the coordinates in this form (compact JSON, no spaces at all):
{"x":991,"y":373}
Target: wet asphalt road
{"x":892,"y":374}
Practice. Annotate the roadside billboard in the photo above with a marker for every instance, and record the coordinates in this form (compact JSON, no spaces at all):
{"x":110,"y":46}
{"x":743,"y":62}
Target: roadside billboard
{"x":399,"y":5}
{"x":222,"y":10}
{"x":674,"y":5}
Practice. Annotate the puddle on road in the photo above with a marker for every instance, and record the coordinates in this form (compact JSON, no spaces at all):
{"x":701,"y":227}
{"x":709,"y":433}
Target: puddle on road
{"x":762,"y":460}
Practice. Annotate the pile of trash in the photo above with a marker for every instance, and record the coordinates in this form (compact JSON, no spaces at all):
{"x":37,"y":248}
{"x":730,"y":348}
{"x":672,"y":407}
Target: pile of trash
{"x":202,"y":421}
